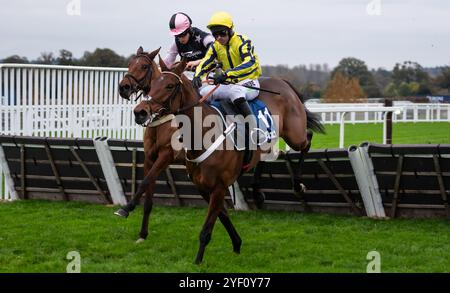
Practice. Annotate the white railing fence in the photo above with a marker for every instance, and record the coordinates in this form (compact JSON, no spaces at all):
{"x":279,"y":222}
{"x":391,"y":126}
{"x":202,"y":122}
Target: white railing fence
{"x":411,"y":112}
{"x":64,"y":101}
{"x":73,"y":101}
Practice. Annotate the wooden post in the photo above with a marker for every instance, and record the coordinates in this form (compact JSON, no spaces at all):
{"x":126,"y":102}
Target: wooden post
{"x":398,"y":176}
{"x":437,"y":168}
{"x":133,"y":171}
{"x":388,"y":103}
{"x":56,"y":173}
{"x":23,"y":187}
{"x":88,"y":173}
{"x":344,"y":193}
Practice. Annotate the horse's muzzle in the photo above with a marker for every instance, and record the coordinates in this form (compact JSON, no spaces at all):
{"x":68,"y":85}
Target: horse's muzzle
{"x":125,"y":91}
{"x":140,"y":117}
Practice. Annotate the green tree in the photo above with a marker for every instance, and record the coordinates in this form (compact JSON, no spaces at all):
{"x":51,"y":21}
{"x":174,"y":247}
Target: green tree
{"x":65,"y":58}
{"x":15,"y":59}
{"x":391,"y":90}
{"x":424,"y":89}
{"x":414,"y":87}
{"x":353,"y":68}
{"x":404,"y":89}
{"x":443,"y":80}
{"x":46,"y":58}
{"x":408,"y":72}
{"x":104,"y":58}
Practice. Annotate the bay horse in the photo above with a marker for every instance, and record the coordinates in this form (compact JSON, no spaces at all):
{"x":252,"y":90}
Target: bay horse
{"x":173,"y":92}
{"x":157,"y":150}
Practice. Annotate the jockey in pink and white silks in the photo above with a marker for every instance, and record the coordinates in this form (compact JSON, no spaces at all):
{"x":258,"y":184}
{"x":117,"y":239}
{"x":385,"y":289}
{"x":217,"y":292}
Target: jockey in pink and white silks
{"x":190,"y":42}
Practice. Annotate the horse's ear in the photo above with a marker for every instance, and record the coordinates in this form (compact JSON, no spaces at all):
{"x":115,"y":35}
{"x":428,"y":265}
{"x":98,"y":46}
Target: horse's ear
{"x":180,"y":67}
{"x":140,"y":50}
{"x":162,"y":64}
{"x":154,"y":53}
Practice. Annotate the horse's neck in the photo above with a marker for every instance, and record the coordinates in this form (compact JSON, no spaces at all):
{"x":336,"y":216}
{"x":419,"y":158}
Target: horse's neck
{"x":192,"y":113}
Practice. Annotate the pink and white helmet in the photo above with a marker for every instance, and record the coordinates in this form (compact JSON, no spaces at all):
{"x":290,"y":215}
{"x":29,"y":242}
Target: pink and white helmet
{"x":179,"y":23}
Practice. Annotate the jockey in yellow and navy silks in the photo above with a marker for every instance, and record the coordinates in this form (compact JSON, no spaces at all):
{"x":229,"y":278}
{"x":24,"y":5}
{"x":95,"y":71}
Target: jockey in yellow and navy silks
{"x":239,"y":61}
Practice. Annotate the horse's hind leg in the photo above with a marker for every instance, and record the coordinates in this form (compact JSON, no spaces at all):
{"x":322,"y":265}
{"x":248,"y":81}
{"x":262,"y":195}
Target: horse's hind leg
{"x":258,"y":196}
{"x":214,"y":209}
{"x":299,"y":187}
{"x":234,"y":236}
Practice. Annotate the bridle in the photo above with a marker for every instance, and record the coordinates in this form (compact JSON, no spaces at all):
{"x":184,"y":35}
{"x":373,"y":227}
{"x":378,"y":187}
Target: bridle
{"x":141,"y":85}
{"x":165,"y":106}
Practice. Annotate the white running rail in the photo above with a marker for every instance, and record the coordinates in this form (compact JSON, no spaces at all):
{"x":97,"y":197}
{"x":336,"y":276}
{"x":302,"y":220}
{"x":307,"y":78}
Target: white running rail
{"x":75,"y":101}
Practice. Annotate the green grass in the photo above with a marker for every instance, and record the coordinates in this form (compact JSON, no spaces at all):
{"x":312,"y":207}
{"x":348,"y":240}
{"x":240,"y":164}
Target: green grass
{"x":402,"y":133}
{"x":37,"y":235}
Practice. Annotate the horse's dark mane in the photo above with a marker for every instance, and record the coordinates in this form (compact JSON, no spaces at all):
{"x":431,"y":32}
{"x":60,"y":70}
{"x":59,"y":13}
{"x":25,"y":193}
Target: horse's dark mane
{"x":312,"y":120}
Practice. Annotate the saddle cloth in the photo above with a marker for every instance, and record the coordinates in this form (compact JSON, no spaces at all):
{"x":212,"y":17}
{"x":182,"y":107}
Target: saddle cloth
{"x":265,"y":132}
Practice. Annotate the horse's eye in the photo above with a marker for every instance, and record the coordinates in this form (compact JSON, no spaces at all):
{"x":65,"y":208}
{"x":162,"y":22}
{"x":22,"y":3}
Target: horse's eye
{"x":170,"y":86}
{"x":145,"y":67}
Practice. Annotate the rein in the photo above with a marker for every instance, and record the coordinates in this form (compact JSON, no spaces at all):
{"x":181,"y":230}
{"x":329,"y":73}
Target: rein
{"x":171,"y":114}
{"x":204,"y":98}
{"x":201,"y":100}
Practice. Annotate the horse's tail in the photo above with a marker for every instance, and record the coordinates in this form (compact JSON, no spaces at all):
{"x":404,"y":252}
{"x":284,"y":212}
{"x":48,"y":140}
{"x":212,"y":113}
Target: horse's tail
{"x":312,"y":120}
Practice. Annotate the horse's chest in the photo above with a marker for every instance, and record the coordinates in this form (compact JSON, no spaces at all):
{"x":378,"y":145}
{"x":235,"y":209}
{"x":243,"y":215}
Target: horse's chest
{"x":202,"y":177}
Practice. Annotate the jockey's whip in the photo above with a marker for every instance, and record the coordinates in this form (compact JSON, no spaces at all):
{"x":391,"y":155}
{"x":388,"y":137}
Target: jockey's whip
{"x":219,"y":66}
{"x":251,"y":87}
{"x":254,"y":88}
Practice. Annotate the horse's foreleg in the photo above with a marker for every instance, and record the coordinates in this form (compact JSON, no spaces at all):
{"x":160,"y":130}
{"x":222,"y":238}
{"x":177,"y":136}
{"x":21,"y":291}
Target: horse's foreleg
{"x":135,"y":200}
{"x":214,"y":209}
{"x":161,"y":163}
{"x":226,"y":222}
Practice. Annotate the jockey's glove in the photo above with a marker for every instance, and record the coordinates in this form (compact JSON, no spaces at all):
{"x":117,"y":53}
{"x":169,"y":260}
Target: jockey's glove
{"x":220,"y":78}
{"x":197,"y":82}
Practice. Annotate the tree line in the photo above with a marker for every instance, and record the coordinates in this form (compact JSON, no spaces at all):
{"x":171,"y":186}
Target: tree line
{"x":349,"y":81}
{"x":100,"y":57}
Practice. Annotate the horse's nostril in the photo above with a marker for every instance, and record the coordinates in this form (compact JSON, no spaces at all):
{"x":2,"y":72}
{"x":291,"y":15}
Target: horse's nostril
{"x":124,"y":88}
{"x":142,"y":114}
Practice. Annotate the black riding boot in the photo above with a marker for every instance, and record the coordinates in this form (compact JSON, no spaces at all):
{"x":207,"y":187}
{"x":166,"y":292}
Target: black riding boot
{"x":244,"y":108}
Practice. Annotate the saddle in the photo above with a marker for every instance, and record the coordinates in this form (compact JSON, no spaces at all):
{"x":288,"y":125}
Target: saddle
{"x":265,"y":133}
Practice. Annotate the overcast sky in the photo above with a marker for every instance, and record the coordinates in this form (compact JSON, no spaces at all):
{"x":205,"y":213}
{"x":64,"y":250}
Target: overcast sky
{"x":291,"y":32}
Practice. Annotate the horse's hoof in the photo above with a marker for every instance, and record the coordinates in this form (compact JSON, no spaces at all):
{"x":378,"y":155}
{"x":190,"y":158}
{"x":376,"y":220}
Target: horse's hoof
{"x":140,"y":240}
{"x":237,"y":247}
{"x":303,"y":188}
{"x":258,"y":199}
{"x":121,"y":213}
